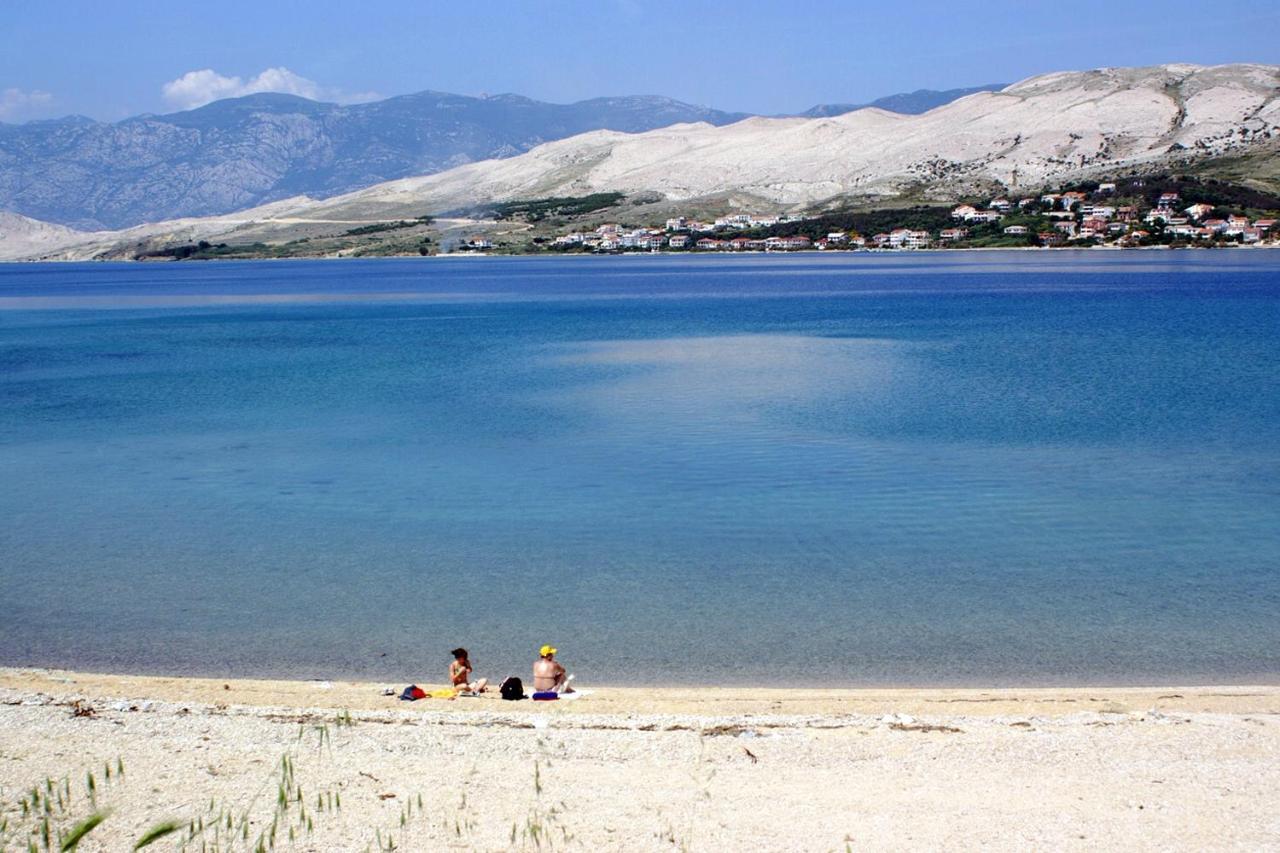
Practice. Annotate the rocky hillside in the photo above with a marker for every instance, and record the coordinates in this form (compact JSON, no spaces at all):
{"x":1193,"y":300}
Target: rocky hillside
{"x":242,"y":152}
{"x":1048,"y":128}
{"x":1045,"y":130}
{"x":21,"y":236}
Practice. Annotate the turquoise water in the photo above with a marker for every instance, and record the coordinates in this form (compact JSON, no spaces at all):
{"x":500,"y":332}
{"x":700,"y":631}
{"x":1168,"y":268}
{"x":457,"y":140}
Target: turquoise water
{"x":861,"y":469}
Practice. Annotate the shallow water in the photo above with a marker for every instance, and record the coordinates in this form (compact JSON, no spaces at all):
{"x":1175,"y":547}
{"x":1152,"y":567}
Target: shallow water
{"x":963,"y":468}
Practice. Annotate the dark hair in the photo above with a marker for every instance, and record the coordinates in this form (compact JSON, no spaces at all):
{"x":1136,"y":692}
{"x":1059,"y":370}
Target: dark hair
{"x":459,"y":653}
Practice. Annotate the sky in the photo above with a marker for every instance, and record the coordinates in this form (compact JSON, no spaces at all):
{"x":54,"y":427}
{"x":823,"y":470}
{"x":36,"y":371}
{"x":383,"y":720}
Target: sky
{"x":110,"y":59}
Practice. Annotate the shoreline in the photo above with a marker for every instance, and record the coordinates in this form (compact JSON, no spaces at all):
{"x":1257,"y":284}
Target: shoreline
{"x":145,"y":678}
{"x":658,"y":253}
{"x":608,"y":699}
{"x":639,"y":769}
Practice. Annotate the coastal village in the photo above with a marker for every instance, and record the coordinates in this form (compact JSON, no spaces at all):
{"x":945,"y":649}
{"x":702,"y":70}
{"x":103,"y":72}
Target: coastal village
{"x":1103,"y":214}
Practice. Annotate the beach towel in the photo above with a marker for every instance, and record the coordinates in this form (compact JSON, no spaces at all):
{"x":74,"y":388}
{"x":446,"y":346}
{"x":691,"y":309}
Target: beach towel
{"x":448,"y":693}
{"x":547,"y":696}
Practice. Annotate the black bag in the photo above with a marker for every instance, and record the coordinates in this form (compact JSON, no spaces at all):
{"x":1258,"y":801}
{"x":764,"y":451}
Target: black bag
{"x":511,"y":688}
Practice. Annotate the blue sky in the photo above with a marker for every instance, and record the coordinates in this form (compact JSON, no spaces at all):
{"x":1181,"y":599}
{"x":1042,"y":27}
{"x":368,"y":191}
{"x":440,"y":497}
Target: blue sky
{"x":109,"y":60}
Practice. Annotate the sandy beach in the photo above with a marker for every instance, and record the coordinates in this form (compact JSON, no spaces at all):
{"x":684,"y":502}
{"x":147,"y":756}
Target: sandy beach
{"x":342,"y":767}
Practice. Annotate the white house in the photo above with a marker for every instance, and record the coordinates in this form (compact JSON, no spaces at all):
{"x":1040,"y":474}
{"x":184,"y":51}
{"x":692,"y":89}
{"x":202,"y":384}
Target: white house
{"x":795,"y":242}
{"x":905,"y":238}
{"x":1072,"y":199}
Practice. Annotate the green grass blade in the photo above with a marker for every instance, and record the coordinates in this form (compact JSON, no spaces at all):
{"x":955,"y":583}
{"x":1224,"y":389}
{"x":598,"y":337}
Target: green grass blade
{"x":155,"y":833}
{"x":81,"y":829}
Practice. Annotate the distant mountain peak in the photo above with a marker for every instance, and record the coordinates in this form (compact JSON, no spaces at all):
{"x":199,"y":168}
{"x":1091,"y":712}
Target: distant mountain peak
{"x":905,"y":103}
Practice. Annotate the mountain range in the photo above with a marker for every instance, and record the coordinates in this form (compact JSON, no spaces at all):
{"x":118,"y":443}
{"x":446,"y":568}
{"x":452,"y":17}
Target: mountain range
{"x":242,"y":152}
{"x":1040,"y":132}
{"x":238,"y":153}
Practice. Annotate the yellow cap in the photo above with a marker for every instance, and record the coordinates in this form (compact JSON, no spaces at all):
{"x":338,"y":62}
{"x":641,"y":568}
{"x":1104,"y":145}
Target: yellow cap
{"x":547,"y":650}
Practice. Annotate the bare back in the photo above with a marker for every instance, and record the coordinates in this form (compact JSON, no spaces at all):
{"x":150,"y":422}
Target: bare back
{"x":547,"y":675}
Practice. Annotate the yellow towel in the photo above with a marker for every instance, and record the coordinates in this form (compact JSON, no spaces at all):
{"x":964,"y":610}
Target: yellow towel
{"x":449,"y":693}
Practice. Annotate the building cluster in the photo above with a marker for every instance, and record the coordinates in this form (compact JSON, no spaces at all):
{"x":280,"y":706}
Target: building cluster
{"x":682,"y":233}
{"x":1197,"y":222}
{"x":750,"y":244}
{"x":1051,"y":219}
{"x":1074,"y":218}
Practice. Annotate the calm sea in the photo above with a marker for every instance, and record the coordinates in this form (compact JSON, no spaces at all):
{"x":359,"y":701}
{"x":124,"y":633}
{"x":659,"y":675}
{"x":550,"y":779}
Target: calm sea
{"x":858,"y":469}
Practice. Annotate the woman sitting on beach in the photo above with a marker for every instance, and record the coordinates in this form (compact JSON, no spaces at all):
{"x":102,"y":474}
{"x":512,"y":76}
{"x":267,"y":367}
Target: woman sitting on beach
{"x":549,"y":675}
{"x":460,"y":674}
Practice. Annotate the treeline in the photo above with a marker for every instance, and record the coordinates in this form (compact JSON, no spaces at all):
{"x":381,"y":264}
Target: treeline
{"x":378,"y":227}
{"x":1223,"y":194}
{"x":535,"y":210}
{"x":194,"y":251}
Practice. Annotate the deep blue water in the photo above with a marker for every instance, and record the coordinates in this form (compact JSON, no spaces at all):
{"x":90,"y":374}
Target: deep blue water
{"x":918,"y":469}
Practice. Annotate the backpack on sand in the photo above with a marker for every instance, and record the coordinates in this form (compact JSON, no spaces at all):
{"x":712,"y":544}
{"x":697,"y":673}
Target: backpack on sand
{"x":511,"y":688}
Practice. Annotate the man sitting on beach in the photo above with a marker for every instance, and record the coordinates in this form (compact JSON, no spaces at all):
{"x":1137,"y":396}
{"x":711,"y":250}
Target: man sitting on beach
{"x":548,"y":675}
{"x":460,"y":674}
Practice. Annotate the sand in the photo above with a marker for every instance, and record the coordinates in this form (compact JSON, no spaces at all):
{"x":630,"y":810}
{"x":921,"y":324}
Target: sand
{"x":627,"y":769}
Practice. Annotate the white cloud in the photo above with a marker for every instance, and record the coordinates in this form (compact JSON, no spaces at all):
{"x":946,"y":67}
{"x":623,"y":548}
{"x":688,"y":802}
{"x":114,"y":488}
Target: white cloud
{"x":15,"y":103}
{"x":197,"y":88}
